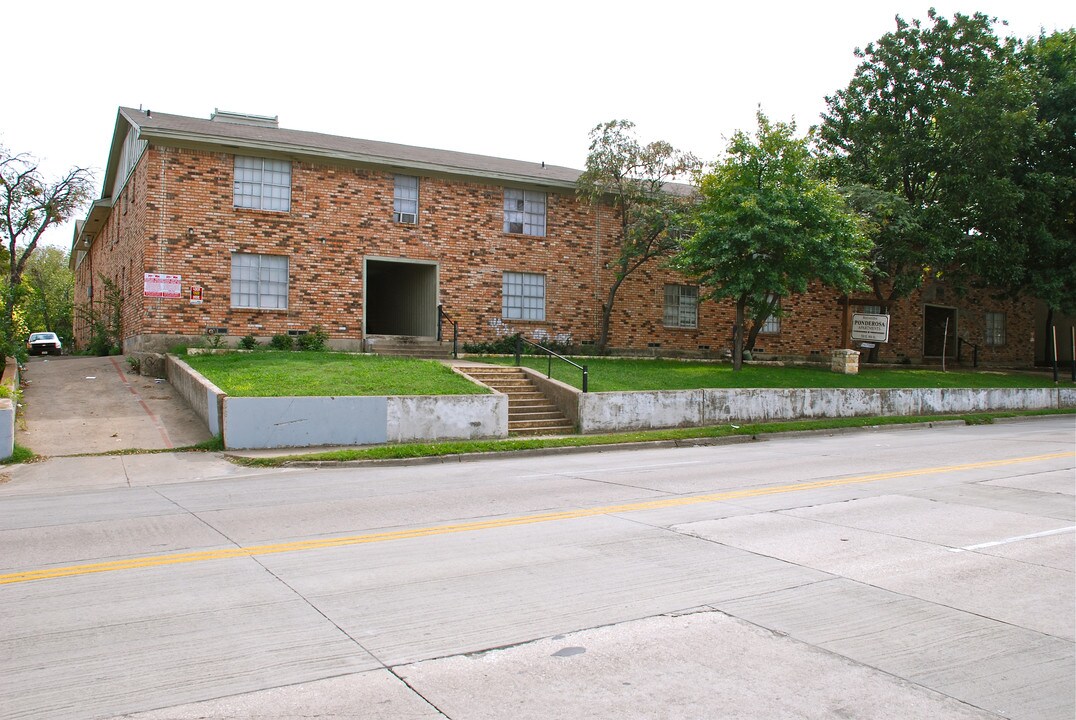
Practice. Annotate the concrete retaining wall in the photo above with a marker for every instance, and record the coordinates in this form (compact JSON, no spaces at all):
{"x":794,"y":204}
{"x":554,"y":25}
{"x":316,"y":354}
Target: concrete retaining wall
{"x":205,"y":398}
{"x":250,"y":423}
{"x":616,"y":411}
{"x":7,"y":409}
{"x":418,"y":418}
{"x":312,"y":421}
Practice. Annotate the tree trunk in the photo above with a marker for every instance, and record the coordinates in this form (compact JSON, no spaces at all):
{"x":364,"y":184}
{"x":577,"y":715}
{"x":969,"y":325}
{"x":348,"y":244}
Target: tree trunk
{"x":737,"y":334}
{"x":607,"y":314}
{"x":1047,"y":345}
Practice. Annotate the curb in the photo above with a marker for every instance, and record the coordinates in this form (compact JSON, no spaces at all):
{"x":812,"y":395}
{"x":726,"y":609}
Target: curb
{"x":612,"y":447}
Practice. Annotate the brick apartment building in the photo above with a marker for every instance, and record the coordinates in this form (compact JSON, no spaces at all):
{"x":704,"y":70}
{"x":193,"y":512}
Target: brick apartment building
{"x":235,"y":226}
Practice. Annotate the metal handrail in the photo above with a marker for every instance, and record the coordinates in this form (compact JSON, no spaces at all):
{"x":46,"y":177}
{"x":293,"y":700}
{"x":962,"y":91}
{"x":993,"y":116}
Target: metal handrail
{"x":442,"y":315}
{"x":549,"y":369}
{"x":960,"y":343}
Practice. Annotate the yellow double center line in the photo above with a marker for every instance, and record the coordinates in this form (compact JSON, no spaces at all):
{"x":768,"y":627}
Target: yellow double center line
{"x":678,"y":501}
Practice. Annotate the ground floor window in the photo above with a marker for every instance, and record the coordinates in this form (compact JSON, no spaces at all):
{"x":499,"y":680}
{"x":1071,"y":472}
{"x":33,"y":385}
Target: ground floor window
{"x":523,"y":296}
{"x":259,"y":281}
{"x":995,"y":328}
{"x":772,"y":326}
{"x":681,"y":306}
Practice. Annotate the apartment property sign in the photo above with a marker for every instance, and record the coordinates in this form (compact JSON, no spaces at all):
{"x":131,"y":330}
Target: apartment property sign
{"x":162,"y":286}
{"x":870,"y":327}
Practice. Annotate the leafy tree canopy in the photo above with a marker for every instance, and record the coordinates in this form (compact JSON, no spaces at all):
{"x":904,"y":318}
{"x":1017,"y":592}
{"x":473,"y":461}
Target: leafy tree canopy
{"x":634,"y":178}
{"x":968,"y":131}
{"x":30,"y":205}
{"x":767,"y":226}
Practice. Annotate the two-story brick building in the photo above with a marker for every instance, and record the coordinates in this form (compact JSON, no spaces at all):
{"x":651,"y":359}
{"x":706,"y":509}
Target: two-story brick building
{"x":236,"y":226}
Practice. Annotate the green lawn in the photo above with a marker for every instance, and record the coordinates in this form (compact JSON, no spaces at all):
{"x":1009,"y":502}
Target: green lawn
{"x":640,"y":374}
{"x":292,"y":374}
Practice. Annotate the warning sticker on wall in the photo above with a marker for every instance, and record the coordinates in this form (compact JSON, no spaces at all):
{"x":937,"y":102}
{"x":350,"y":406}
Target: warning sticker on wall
{"x":162,"y":286}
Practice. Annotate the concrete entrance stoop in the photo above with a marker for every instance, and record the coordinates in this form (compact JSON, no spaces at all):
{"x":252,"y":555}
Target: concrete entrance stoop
{"x":530,"y":412}
{"x":408,"y":346}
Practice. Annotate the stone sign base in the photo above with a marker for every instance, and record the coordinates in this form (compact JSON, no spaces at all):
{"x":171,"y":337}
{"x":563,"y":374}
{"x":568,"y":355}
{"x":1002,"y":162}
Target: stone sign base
{"x":845,"y":362}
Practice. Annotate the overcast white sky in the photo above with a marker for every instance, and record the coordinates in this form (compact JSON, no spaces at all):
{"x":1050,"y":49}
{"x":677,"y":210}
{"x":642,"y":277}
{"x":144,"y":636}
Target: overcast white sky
{"x":519,"y":80}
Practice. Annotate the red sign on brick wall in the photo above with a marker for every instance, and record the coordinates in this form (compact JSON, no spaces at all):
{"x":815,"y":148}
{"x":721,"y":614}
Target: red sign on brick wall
{"x":162,"y":286}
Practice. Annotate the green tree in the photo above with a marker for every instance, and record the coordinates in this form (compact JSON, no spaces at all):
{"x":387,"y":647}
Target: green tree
{"x":1048,"y":178}
{"x":766,"y":226}
{"x":634,"y":178}
{"x":48,"y":300}
{"x":938,"y":113}
{"x":30,"y":205}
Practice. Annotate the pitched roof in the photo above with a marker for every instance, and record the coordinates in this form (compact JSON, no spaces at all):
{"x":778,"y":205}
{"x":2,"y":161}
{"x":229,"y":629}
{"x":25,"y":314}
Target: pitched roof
{"x":167,"y":129}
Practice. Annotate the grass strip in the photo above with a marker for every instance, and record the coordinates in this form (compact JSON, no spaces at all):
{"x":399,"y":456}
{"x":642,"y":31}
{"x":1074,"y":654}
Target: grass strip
{"x":416,"y":450}
{"x":627,"y":374}
{"x":327,"y":374}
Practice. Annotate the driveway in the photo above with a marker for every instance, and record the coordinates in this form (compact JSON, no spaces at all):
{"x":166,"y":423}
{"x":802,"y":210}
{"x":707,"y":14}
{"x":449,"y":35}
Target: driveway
{"x":74,"y":405}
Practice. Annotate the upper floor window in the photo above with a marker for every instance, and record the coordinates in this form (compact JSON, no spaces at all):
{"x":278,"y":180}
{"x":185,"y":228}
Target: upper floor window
{"x":262,"y":184}
{"x":681,"y":306}
{"x":995,"y":328}
{"x":523,"y":296}
{"x":405,"y":200}
{"x":524,"y":212}
{"x":259,"y":281}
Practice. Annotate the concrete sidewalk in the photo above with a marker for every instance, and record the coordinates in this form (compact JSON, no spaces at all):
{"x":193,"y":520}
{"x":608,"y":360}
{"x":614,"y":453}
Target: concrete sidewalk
{"x":75,"y":405}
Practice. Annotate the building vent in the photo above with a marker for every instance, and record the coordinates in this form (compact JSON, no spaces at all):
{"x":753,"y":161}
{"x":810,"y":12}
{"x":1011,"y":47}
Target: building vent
{"x":245,"y":119}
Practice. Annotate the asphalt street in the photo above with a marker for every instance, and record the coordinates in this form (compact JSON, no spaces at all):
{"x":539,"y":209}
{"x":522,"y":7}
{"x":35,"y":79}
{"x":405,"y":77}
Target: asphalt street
{"x":923,"y":572}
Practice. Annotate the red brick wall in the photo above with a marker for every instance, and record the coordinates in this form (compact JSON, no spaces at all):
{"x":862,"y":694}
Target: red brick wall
{"x":180,"y":220}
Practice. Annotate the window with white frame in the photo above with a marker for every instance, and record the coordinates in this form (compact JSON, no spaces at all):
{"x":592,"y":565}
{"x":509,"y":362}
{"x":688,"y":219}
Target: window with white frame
{"x":523,"y":296}
{"x":259,"y":281}
{"x":262,"y":184}
{"x":524,"y":212}
{"x":681,"y":306}
{"x":772,"y":326}
{"x":870,"y":309}
{"x":995,"y":328}
{"x":405,"y":200}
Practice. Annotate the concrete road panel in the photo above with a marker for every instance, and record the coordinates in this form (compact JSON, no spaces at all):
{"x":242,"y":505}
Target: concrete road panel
{"x":992,"y":665}
{"x":374,"y":695}
{"x":704,"y":665}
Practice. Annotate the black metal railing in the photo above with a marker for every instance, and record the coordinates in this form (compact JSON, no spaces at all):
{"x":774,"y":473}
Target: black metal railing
{"x":960,"y":343}
{"x":441,"y":317}
{"x":550,"y":354}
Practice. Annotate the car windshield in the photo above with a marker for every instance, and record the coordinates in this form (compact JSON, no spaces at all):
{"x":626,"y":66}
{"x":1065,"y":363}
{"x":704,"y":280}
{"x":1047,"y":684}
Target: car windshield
{"x":42,"y":336}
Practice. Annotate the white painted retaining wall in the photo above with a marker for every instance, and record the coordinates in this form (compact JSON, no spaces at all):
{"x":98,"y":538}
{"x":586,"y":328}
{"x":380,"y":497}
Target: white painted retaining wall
{"x":7,"y":409}
{"x":205,"y":398}
{"x":251,"y":423}
{"x":617,"y":411}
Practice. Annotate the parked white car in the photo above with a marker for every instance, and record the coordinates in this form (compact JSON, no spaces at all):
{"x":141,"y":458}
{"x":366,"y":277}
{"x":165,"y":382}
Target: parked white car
{"x":44,"y":342}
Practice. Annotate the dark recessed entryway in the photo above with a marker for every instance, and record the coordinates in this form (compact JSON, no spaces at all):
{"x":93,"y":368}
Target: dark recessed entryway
{"x":939,"y":331}
{"x":401,"y":297}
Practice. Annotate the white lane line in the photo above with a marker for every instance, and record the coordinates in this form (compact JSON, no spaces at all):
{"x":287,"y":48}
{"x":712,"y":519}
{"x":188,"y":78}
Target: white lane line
{"x":622,"y":468}
{"x":1018,"y":538}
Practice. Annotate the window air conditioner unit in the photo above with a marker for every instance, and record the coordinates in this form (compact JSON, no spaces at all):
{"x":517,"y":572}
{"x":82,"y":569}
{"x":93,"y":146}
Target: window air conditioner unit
{"x":406,"y":218}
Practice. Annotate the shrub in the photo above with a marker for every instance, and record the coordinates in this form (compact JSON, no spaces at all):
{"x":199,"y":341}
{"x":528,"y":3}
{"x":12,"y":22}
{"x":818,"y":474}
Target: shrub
{"x":313,"y":340}
{"x":507,"y":346}
{"x":282,"y":342}
{"x":215,"y":342}
{"x":248,"y":342}
{"x":135,"y":364}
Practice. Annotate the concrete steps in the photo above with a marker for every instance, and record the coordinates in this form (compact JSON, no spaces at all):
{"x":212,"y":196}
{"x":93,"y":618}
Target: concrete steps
{"x":408,"y":346}
{"x":530,"y":412}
